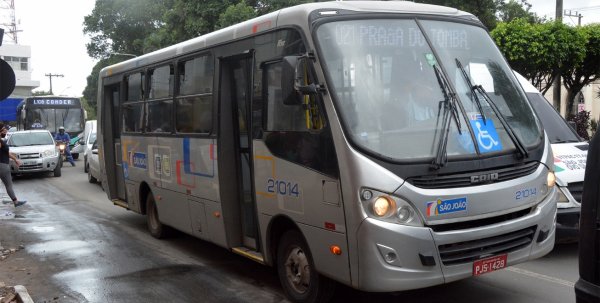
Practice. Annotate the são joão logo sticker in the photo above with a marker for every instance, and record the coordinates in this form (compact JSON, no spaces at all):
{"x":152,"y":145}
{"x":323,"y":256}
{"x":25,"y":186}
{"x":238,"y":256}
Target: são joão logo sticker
{"x":442,"y":207}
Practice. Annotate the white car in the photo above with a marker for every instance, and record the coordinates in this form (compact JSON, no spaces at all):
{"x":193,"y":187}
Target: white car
{"x":570,"y":154}
{"x":88,"y":138}
{"x":37,"y":151}
{"x":93,"y":165}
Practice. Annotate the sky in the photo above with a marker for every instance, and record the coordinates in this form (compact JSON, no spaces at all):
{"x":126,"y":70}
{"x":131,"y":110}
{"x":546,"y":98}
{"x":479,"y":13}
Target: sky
{"x":54,"y":30}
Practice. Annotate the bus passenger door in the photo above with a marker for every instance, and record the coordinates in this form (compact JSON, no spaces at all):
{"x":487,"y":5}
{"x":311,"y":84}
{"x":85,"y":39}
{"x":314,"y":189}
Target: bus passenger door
{"x":235,"y":152}
{"x":111,"y":130}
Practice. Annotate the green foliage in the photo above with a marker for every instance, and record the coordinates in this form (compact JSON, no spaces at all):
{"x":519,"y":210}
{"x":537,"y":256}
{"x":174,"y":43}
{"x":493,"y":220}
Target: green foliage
{"x":585,"y":68}
{"x":90,"y":93}
{"x":122,"y":25}
{"x":41,"y":93}
{"x":593,"y":127}
{"x":537,"y":50}
{"x":582,"y":121}
{"x":235,"y":14}
{"x":517,"y":9}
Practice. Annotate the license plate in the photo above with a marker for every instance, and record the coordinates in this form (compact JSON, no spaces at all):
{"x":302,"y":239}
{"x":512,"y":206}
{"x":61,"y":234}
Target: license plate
{"x":29,"y":163}
{"x":487,"y":265}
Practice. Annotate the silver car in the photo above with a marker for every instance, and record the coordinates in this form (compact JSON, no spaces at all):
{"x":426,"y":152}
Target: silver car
{"x":93,"y":165}
{"x":37,"y":151}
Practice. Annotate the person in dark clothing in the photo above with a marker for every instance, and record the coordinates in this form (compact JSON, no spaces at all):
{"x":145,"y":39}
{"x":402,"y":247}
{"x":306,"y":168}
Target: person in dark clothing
{"x":61,"y":136}
{"x":5,"y":176}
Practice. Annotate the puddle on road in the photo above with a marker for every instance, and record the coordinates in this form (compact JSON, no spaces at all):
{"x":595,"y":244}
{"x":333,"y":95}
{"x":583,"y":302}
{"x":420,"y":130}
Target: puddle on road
{"x":43,"y":229}
{"x":69,"y":248}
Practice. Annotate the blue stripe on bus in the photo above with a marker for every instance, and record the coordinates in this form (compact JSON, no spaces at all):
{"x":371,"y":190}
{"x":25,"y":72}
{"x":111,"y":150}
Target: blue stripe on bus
{"x":187,"y":166}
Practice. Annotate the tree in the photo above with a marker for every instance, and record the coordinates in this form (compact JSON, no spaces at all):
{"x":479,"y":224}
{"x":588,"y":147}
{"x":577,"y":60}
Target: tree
{"x":41,"y":93}
{"x":536,"y":50}
{"x":121,"y":26}
{"x":579,"y":73}
{"x":235,"y":14}
{"x":517,"y":9}
{"x":90,"y":92}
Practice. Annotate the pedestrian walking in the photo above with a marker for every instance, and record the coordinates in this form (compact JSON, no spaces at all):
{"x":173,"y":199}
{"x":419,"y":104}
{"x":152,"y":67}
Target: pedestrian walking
{"x":5,"y":156}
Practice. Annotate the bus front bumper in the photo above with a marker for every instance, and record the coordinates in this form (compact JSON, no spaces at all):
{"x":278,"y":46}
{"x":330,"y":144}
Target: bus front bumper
{"x":395,"y":257}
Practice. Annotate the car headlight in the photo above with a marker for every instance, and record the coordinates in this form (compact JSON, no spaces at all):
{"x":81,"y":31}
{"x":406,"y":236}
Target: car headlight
{"x":49,"y":153}
{"x":389,"y":208}
{"x":562,"y":198}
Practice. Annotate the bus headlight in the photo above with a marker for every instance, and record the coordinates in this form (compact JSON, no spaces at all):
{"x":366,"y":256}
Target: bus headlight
{"x":383,"y":206}
{"x":551,"y":179}
{"x":389,"y":208}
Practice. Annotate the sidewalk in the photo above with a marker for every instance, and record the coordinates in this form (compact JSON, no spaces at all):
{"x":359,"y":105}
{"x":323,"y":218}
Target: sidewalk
{"x":17,"y":293}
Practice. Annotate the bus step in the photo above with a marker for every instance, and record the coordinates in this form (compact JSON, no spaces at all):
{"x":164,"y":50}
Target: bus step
{"x":249,"y":253}
{"x":119,"y":202}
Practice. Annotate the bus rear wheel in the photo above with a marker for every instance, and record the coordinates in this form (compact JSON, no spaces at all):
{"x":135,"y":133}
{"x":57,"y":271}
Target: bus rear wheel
{"x":157,"y":229}
{"x":299,"y":279}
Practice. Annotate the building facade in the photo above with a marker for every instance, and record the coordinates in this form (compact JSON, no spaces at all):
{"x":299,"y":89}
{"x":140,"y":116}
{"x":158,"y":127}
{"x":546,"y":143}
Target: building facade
{"x":19,"y":58}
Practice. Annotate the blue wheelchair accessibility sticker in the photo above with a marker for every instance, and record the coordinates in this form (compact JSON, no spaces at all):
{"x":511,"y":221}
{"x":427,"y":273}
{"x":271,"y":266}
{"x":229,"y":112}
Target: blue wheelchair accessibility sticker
{"x":486,"y":135}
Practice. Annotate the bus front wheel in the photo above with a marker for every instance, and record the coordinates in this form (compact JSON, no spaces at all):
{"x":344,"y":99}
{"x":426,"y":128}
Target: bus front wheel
{"x":299,"y":279}
{"x":157,"y":229}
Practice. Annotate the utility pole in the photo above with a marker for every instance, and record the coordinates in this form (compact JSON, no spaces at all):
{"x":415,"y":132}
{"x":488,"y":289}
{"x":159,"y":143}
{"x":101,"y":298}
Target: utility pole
{"x":569,"y":13}
{"x":50,"y":76}
{"x":557,"y":83}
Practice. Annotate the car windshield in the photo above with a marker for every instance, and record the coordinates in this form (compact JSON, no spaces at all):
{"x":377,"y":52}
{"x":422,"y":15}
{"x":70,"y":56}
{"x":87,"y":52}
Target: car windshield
{"x":556,"y":127}
{"x":393,"y":89}
{"x":29,"y":139}
{"x":92,"y":137}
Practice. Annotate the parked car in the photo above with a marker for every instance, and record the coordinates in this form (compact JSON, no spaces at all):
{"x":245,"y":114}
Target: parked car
{"x":88,"y":138}
{"x":77,"y":148}
{"x":93,"y":165}
{"x":570,"y":153}
{"x":37,"y":151}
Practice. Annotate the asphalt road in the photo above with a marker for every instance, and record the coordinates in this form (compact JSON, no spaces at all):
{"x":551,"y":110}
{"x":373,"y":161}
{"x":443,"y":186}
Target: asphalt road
{"x":78,"y":247}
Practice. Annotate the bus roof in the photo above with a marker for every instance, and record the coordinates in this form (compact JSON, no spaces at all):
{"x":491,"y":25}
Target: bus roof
{"x":288,"y":16}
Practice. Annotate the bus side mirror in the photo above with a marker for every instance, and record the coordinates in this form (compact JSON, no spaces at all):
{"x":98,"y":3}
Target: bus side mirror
{"x":288,"y":91}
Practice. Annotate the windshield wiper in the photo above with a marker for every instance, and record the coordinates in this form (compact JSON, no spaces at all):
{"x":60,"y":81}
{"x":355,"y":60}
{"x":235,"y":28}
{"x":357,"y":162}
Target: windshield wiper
{"x":449,"y":111}
{"x":474,"y":96}
{"x":509,"y":130}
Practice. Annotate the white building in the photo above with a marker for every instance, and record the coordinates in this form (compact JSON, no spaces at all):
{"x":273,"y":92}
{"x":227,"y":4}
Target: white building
{"x":19,"y":58}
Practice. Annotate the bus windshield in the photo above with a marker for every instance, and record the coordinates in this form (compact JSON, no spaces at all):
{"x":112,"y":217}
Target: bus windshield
{"x":389,"y":80}
{"x":52,"y":118}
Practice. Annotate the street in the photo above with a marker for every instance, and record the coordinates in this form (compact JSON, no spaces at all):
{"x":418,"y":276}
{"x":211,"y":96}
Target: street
{"x":76,"y":246}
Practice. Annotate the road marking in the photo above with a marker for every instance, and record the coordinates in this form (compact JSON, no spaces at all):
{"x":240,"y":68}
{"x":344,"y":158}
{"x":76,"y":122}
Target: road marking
{"x":541,"y":277}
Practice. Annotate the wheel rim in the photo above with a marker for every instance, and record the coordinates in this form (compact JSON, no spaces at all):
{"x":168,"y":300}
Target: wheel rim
{"x":297,"y":270}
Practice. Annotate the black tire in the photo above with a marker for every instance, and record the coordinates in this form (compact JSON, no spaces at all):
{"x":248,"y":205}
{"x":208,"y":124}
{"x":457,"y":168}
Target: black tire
{"x":91,"y":178}
{"x":57,"y":170}
{"x":75,"y":156}
{"x":300,"y":286}
{"x":85,"y":164}
{"x":156,"y":228}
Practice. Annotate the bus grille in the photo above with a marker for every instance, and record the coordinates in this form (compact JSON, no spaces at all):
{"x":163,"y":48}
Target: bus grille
{"x":468,"y":251}
{"x":576,"y":190}
{"x":464,"y":179}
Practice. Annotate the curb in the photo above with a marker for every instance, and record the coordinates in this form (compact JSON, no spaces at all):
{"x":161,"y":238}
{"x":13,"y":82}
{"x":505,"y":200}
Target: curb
{"x":23,"y":294}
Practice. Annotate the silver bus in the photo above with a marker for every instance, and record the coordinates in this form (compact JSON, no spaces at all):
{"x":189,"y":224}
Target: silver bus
{"x":340,"y":142}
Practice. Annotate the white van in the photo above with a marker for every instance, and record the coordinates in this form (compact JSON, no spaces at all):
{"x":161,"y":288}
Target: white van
{"x":570,"y":153}
{"x":89,"y":136}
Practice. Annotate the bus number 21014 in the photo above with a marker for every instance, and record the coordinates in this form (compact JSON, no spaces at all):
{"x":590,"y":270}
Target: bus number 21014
{"x":283,"y":188}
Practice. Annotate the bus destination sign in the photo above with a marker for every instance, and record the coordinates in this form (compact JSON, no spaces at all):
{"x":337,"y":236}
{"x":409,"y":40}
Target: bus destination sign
{"x":54,"y":101}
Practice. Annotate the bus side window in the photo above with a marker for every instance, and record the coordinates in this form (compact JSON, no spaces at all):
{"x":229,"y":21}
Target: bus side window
{"x":159,"y":106}
{"x":194,"y":104}
{"x":281,"y":117}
